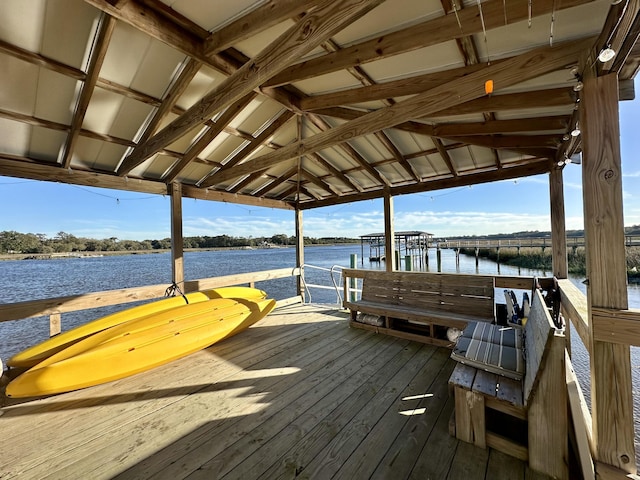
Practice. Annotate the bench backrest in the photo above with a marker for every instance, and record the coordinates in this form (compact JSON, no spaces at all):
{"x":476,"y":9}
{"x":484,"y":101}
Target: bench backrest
{"x":539,"y":332}
{"x":442,"y":292}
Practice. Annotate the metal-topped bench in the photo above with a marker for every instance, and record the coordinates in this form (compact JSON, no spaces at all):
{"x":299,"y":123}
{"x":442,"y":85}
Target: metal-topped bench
{"x":538,"y":399}
{"x":418,"y":305}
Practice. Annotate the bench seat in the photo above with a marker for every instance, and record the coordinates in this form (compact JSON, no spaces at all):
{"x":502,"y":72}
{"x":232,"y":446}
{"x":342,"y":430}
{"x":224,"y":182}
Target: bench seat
{"x":539,"y":398}
{"x":420,"y":306}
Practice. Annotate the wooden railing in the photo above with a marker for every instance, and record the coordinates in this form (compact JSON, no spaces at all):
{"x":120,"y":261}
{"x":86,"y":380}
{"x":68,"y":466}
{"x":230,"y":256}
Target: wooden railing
{"x":609,"y":325}
{"x":55,"y":307}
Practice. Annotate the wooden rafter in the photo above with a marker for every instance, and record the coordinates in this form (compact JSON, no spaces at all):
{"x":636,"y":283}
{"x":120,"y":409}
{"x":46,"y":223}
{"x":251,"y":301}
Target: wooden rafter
{"x":103,"y":35}
{"x":248,"y":149}
{"x":395,"y":88}
{"x":349,"y":150}
{"x":275,"y":182}
{"x":301,"y":38}
{"x":317,"y":181}
{"x":265,"y":16}
{"x":335,"y":172}
{"x":169,"y":101}
{"x":491,"y":175}
{"x":208,"y":136}
{"x":515,"y":70}
{"x":428,"y":33}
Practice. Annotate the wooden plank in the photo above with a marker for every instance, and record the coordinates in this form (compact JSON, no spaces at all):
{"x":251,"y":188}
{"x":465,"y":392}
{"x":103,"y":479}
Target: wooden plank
{"x":538,"y":331}
{"x":438,"y":451}
{"x":130,"y":402}
{"x":400,"y":420}
{"x":401,"y":334}
{"x":502,"y":444}
{"x":298,"y":40}
{"x":548,"y":435}
{"x":485,"y":383}
{"x":463,"y":376}
{"x":469,"y":463}
{"x":611,"y":386}
{"x":503,"y":466}
{"x":558,"y":230}
{"x":520,"y":283}
{"x":581,"y":420}
{"x":507,"y":73}
{"x":328,"y":461}
{"x":573,"y":304}
{"x":188,"y":423}
{"x":72,"y":303}
{"x":616,"y":326}
{"x":97,"y":56}
{"x":257,"y":20}
{"x":431,"y":32}
{"x":55,"y":325}
{"x":306,"y":448}
{"x":429,"y":419}
{"x":177,"y":240}
{"x":257,"y":450}
{"x":470,"y":417}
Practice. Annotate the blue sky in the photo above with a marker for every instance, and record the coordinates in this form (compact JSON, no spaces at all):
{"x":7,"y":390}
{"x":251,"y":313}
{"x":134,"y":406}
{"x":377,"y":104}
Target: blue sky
{"x":501,"y":207}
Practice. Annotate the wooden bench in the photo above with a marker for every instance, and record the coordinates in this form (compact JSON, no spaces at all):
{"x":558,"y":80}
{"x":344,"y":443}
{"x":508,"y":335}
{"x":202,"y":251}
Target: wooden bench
{"x":492,"y":410}
{"x":419,"y":306}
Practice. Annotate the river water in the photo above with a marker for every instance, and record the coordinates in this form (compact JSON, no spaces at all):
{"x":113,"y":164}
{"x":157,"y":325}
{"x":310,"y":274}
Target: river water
{"x":22,"y":280}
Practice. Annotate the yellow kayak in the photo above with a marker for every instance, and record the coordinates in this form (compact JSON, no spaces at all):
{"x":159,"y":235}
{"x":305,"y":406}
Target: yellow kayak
{"x":37,"y":353}
{"x":139,"y":345}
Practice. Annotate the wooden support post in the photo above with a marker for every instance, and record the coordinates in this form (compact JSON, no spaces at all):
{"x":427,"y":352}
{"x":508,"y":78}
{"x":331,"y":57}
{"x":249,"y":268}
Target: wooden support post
{"x":299,"y":250}
{"x":353,"y":282}
{"x":558,"y":232}
{"x":389,"y":234}
{"x":611,"y":389}
{"x":439,"y":259}
{"x":177,"y":241}
{"x":55,"y":324}
{"x":470,"y":417}
{"x":408,"y":263}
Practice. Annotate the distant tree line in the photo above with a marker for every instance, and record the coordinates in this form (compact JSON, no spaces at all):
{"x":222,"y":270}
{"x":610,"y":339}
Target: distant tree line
{"x":15,"y":242}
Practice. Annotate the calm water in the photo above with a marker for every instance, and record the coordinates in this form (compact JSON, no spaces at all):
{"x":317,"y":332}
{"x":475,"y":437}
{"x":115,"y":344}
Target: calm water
{"x":34,"y":279}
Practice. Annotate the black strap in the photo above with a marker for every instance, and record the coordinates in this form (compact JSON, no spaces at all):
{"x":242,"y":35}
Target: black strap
{"x":172,"y":289}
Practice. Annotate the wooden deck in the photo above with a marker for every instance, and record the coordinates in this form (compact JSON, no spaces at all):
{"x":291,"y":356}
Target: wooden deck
{"x":300,"y":395}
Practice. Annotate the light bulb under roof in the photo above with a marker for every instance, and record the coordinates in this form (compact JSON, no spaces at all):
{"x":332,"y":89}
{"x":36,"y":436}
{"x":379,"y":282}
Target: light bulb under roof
{"x":606,"y":54}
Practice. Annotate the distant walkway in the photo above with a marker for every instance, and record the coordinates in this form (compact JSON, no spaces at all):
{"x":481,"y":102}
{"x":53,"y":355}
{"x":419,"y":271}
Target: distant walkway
{"x":542,"y":242}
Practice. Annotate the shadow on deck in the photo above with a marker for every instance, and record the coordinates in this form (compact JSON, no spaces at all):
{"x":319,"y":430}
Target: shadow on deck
{"x":299,"y":395}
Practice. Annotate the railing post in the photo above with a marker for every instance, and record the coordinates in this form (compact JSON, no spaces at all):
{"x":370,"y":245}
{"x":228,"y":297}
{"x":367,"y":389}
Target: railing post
{"x":353,"y":282}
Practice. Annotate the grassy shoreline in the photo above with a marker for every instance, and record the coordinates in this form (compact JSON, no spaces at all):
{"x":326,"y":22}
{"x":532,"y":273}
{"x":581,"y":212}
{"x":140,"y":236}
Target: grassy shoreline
{"x":537,"y":258}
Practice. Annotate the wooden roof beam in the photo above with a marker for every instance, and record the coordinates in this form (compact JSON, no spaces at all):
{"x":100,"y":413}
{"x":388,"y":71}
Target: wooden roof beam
{"x":399,"y":157}
{"x":515,"y":70}
{"x":169,"y":101}
{"x":428,"y":33}
{"x":275,"y":182}
{"x":335,"y":172}
{"x":259,"y":19}
{"x":208,"y":136}
{"x":300,"y":39}
{"x":491,"y":175}
{"x":248,"y":149}
{"x":319,"y":183}
{"x":169,"y":29}
{"x":103,"y":36}
{"x":349,"y":150}
{"x":394,"y":88}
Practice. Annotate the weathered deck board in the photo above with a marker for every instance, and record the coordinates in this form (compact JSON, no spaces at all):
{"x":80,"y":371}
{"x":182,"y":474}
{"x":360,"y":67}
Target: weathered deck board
{"x":298,"y":395}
